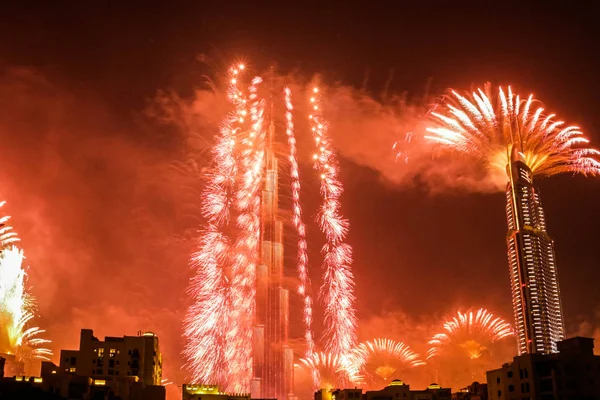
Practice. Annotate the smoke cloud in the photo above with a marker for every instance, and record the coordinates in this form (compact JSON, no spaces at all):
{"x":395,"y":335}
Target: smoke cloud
{"x":107,"y":205}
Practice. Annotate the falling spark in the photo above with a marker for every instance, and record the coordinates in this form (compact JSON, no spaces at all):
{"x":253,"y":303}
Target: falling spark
{"x":472,"y":125}
{"x":337,"y":290}
{"x":470,"y":333}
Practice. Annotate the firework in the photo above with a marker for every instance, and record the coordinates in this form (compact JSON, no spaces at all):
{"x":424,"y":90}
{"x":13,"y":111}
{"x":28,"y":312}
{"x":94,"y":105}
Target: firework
{"x":337,"y":290}
{"x":469,"y":333}
{"x":473,"y":125}
{"x":302,"y":255}
{"x":380,"y":359}
{"x":17,"y":306}
{"x":7,"y":236}
{"x":331,"y":369}
{"x":221,"y":326}
{"x":207,"y":320}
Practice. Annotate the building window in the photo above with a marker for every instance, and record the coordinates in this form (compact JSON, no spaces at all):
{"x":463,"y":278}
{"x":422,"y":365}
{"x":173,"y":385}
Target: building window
{"x":73,"y":361}
{"x":111,"y":363}
{"x":111,"y":371}
{"x":525,"y":373}
{"x":499,"y":393}
{"x":526,"y":386}
{"x":509,"y":374}
{"x":511,"y":388}
{"x":498,"y":380}
{"x":101,"y":352}
{"x":72,"y":369}
{"x":112,"y":353}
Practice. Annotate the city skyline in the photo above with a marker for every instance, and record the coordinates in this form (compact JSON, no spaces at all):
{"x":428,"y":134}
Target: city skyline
{"x":73,"y":183}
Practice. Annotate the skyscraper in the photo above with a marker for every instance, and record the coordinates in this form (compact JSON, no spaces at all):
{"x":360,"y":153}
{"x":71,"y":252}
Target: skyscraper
{"x":273,"y":358}
{"x":534,"y":280}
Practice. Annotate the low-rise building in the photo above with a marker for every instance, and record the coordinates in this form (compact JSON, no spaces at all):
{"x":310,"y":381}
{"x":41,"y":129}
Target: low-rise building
{"x":128,"y":356}
{"x":396,"y":390}
{"x":475,"y":391}
{"x":572,"y":373}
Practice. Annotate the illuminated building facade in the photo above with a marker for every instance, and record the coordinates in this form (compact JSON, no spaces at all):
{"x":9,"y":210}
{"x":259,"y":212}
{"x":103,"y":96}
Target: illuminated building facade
{"x":537,"y":307}
{"x":272,"y":357}
{"x":115,"y":357}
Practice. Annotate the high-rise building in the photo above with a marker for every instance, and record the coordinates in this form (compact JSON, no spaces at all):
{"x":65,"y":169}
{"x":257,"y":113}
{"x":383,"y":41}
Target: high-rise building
{"x":272,"y":357}
{"x":537,"y":307}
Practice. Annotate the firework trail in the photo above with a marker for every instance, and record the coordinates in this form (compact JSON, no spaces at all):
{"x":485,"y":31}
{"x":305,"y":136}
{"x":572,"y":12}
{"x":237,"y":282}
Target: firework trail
{"x":219,"y":327}
{"x":379,"y":359}
{"x":337,"y":290}
{"x":302,"y":255}
{"x":470,"y":334}
{"x":207,"y":319}
{"x":17,"y":307}
{"x":473,"y":125}
{"x":245,"y":257}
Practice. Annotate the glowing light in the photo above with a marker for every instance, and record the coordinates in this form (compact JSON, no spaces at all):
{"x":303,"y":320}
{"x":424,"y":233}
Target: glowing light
{"x":472,"y":125}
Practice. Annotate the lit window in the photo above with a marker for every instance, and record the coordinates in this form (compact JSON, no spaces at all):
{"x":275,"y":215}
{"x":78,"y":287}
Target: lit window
{"x":101,"y":352}
{"x":72,"y":369}
{"x":112,"y":353}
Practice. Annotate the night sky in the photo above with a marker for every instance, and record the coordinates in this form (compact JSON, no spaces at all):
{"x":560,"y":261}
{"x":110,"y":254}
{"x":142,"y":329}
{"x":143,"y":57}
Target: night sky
{"x":107,"y":231}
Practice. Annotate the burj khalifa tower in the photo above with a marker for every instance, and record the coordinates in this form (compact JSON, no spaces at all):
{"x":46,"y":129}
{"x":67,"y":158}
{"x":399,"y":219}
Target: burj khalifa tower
{"x":272,"y":357}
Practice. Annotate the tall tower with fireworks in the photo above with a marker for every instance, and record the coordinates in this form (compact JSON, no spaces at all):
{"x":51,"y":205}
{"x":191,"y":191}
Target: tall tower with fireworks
{"x":272,"y":357}
{"x":534,"y":280}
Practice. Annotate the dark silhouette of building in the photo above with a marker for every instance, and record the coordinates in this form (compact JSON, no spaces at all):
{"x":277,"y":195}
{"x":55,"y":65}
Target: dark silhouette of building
{"x":2,"y":360}
{"x":534,"y":280}
{"x":475,"y":391}
{"x":572,"y":373}
{"x":396,"y":390}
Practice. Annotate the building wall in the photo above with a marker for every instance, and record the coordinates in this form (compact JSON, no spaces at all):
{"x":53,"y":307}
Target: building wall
{"x":574,"y":373}
{"x":126,"y":356}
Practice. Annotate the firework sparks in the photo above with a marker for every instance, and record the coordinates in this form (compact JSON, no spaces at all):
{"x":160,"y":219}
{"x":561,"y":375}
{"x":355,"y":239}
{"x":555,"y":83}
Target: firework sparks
{"x":331,"y":368}
{"x":221,"y":324}
{"x":337,"y":290}
{"x":245,"y":258}
{"x":473,"y":125}
{"x":17,"y":306}
{"x":380,"y":359}
{"x":302,"y":256}
{"x":206,"y":323}
{"x":470,"y":333}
